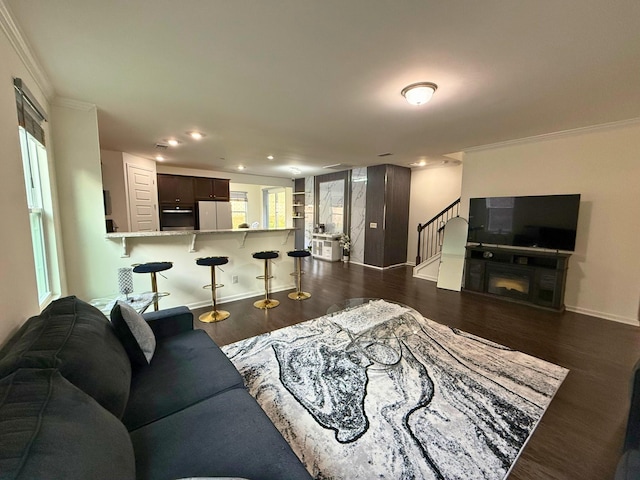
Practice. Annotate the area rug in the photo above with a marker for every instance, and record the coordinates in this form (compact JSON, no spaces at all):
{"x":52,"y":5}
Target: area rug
{"x":378,"y":391}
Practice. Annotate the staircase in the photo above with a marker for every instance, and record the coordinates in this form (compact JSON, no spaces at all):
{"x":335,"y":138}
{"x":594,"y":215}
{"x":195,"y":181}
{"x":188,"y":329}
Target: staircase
{"x":430,"y":236}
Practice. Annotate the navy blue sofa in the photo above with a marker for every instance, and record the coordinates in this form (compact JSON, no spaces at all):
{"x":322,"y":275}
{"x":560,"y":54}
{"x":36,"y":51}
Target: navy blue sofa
{"x":72,"y":406}
{"x":629,"y":464}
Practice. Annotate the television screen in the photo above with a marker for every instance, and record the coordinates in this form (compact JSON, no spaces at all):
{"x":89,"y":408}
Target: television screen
{"x":544,"y":221}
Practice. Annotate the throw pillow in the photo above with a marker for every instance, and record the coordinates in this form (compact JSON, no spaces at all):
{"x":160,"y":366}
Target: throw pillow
{"x":134,"y":333}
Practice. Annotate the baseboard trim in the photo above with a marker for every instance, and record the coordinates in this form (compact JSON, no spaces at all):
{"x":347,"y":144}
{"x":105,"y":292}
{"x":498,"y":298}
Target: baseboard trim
{"x":426,"y":277}
{"x":241,"y":296}
{"x":604,"y":315}
{"x":383,"y":268}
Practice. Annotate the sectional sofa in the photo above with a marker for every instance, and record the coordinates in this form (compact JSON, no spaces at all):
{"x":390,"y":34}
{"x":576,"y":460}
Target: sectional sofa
{"x":75,"y":404}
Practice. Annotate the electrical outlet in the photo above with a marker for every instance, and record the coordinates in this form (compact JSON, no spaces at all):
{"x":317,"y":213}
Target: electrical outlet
{"x":373,"y":225}
{"x":234,"y":279}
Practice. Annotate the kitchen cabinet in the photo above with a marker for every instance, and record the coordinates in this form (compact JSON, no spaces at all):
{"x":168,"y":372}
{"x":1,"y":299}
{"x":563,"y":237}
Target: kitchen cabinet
{"x":216,"y":189}
{"x":175,"y":189}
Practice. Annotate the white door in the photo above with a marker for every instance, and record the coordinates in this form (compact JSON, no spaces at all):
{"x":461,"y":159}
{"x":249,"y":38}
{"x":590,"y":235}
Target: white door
{"x":142,"y":197}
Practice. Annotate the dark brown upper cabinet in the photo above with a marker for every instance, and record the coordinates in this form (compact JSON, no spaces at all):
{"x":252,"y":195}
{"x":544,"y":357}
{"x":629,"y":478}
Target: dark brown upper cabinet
{"x":216,"y":189}
{"x":174,"y":189}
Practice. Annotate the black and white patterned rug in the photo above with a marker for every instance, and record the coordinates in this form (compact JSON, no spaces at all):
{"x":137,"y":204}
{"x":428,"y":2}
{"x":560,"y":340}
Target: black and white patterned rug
{"x":378,"y":391}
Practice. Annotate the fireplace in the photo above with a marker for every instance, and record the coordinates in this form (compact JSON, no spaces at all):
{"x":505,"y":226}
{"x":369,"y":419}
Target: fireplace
{"x":524,"y":276}
{"x":509,"y":283}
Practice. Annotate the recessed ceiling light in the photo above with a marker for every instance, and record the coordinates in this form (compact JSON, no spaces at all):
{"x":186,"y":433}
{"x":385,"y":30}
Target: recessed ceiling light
{"x":195,"y":135}
{"x":159,"y":158}
{"x":241,"y":167}
{"x":173,"y":142}
{"x":270,"y":157}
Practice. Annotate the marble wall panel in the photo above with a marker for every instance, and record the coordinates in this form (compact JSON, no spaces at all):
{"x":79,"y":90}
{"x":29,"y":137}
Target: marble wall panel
{"x":358,"y":210}
{"x":331,"y":206}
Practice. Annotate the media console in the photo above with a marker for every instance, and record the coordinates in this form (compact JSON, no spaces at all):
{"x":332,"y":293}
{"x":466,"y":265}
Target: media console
{"x":524,"y":276}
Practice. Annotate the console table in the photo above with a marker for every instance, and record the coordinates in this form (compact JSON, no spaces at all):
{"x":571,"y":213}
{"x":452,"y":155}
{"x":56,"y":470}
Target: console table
{"x":326,"y":246}
{"x":536,"y":278}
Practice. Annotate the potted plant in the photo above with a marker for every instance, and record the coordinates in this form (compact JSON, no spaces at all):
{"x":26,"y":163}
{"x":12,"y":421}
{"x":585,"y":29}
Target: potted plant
{"x":345,"y":243}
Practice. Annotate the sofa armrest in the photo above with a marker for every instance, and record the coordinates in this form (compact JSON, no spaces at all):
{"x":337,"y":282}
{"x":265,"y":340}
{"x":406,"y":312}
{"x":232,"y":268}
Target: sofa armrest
{"x":166,"y":323}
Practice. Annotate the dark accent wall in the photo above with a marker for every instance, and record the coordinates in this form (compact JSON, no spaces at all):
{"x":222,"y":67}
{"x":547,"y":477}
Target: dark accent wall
{"x":388,"y":189}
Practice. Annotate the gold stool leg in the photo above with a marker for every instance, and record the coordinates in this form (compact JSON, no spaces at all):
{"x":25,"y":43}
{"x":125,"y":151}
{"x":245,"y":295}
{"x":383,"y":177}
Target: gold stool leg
{"x":215,"y":315}
{"x":266,"y":302}
{"x":154,"y":289}
{"x":299,"y":294}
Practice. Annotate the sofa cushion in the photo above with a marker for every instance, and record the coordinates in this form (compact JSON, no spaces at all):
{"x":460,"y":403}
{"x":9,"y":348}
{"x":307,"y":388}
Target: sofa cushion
{"x":628,"y":466}
{"x":225,"y":435}
{"x":185,"y":369}
{"x":77,"y":339}
{"x":134,"y":332}
{"x":51,"y":429}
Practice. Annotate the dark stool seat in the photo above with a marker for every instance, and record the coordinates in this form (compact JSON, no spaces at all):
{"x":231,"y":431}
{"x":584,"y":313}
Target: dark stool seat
{"x":212,"y":261}
{"x":266,"y":255}
{"x":214,"y":315}
{"x":153,"y":268}
{"x":298,"y":255}
{"x":266,"y":302}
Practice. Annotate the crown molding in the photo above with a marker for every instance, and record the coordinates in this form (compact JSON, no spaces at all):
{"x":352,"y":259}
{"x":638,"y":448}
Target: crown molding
{"x":21,"y":47}
{"x":555,"y":135}
{"x":73,"y":104}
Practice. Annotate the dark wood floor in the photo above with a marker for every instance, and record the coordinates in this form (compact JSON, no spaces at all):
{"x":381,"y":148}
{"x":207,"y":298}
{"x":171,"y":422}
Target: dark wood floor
{"x":580,"y":435}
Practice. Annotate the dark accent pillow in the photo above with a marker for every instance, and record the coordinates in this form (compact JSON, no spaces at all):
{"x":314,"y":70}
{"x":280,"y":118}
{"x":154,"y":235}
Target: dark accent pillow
{"x":77,"y":339}
{"x":134,"y":332}
{"x":51,"y":429}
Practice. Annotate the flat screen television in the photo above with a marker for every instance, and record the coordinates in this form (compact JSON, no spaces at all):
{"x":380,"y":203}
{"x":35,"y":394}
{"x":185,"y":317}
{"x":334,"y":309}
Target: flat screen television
{"x":543,"y":221}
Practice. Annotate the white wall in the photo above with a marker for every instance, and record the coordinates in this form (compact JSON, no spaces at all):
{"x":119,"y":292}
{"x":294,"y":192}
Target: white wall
{"x":113,"y":181}
{"x":432,"y":189}
{"x":77,"y":151}
{"x":18,"y":290}
{"x":603,"y":165}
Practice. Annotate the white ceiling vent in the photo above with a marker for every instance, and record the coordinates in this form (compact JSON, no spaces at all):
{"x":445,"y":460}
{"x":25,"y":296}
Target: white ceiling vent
{"x":338,"y":166}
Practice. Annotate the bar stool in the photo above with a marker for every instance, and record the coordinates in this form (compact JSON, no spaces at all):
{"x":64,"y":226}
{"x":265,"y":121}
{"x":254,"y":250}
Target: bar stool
{"x":214,"y":315}
{"x":266,"y":302}
{"x":153,"y":268}
{"x":298,"y":255}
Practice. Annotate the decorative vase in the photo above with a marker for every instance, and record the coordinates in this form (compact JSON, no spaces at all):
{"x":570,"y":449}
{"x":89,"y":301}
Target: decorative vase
{"x":345,"y":255}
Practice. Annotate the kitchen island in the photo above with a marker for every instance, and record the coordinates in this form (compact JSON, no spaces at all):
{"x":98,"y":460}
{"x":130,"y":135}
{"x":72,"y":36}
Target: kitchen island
{"x":185,"y":280}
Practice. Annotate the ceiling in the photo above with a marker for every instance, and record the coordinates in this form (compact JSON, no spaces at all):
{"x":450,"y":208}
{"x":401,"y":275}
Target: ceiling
{"x":317,"y":83}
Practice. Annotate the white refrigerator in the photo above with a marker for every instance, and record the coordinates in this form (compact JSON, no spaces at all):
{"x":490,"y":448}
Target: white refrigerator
{"x":214,"y":215}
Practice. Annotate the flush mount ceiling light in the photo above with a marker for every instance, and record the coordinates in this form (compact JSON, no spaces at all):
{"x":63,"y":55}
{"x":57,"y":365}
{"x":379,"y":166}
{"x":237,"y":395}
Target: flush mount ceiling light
{"x":419,"y":93}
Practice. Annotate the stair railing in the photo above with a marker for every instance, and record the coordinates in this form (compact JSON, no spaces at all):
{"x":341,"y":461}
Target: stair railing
{"x":432,"y":243}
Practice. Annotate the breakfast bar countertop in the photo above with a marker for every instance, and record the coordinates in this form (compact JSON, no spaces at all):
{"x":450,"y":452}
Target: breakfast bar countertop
{"x":177,"y":233}
{"x":123,"y":237}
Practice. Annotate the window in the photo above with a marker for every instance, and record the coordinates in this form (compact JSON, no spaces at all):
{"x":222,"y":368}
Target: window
{"x":239,"y":208}
{"x":274,"y":208}
{"x":34,"y":162}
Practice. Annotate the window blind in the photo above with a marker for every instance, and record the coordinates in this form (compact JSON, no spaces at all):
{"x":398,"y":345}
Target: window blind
{"x":30,"y":113}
